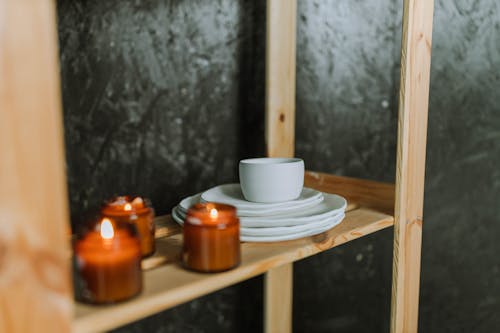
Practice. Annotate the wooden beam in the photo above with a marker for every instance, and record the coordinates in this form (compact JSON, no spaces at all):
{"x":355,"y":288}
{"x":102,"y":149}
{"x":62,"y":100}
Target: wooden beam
{"x":280,"y":137}
{"x":410,"y":170}
{"x":358,"y":192}
{"x":280,"y":77}
{"x":35,"y":283}
{"x":278,"y":305}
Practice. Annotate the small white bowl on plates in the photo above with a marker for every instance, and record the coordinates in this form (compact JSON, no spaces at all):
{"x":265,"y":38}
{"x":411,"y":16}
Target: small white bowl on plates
{"x":269,"y":180}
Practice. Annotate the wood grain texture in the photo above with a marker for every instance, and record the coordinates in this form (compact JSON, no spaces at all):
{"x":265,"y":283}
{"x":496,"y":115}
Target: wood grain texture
{"x":35,"y":287}
{"x":410,"y":170}
{"x":278,"y":299}
{"x":280,"y":139}
{"x":280,"y":77}
{"x":170,"y":284}
{"x":358,"y":192}
{"x":165,"y":227}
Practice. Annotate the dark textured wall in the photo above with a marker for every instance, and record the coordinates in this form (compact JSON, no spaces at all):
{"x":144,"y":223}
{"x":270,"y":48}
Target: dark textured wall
{"x":460,"y":264}
{"x":347,"y":72}
{"x":162,"y":98}
{"x":153,"y":100}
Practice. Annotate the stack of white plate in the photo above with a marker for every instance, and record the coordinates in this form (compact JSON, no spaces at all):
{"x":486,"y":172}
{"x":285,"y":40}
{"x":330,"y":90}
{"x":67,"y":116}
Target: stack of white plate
{"x":312,"y":213}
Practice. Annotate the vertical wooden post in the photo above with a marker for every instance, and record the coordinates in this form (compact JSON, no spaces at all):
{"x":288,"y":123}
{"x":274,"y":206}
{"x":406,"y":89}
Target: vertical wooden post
{"x":278,"y":292}
{"x":410,"y":170}
{"x":280,"y":77}
{"x":35,"y":284}
{"x":280,"y":141}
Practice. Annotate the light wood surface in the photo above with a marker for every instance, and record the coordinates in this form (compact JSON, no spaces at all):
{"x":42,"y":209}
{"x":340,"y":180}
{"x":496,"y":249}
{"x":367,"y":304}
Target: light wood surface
{"x":170,"y":284}
{"x":359,"y":192}
{"x":280,"y":138}
{"x":35,"y":287}
{"x":280,"y":77}
{"x":278,"y":305}
{"x":412,"y":132}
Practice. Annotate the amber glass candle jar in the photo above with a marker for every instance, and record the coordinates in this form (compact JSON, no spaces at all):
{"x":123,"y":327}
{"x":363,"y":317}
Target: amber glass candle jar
{"x":211,"y":238}
{"x":108,"y":263}
{"x":134,"y":210}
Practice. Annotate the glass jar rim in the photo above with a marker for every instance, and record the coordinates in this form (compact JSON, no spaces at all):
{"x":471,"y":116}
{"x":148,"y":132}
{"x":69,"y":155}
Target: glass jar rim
{"x":211,"y":214}
{"x":113,"y":206}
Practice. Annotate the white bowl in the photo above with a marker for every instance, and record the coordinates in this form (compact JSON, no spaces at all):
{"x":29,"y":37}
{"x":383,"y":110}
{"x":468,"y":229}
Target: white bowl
{"x":271,"y":179}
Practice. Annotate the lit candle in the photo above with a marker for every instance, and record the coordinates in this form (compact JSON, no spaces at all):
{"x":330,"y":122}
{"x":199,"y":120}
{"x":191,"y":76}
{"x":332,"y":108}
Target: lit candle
{"x":211,"y":238}
{"x":137,"y":211}
{"x":108,"y":260}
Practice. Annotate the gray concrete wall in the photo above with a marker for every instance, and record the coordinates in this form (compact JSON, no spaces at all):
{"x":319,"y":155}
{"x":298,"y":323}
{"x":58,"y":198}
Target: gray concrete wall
{"x":162,"y":98}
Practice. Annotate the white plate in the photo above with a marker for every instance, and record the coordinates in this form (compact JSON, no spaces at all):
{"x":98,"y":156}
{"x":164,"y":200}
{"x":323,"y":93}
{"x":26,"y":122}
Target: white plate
{"x":331,"y":205}
{"x":176,"y":216}
{"x":298,"y":235}
{"x":186,"y":203}
{"x":179,"y":217}
{"x":231,"y":194}
{"x":279,"y":233}
{"x":279,"y":211}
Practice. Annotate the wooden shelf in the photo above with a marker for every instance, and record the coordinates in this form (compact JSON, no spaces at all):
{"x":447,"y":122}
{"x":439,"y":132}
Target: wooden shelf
{"x":168,"y":284}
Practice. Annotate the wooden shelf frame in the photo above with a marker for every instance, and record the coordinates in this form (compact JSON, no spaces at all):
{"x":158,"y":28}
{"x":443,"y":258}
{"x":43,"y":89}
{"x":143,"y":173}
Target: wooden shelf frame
{"x":35,"y":278}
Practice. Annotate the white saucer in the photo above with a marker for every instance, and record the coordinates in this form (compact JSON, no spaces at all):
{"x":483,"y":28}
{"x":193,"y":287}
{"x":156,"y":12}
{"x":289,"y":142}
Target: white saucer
{"x":231,"y":194}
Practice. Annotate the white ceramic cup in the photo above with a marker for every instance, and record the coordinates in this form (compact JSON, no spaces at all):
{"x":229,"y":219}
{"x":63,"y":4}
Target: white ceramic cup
{"x":271,"y":179}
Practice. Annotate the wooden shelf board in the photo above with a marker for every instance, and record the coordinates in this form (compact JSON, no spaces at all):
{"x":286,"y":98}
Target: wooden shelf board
{"x":169,"y":284}
{"x":362,"y":192}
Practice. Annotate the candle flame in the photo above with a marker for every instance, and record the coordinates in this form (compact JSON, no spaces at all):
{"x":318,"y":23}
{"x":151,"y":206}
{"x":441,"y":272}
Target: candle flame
{"x":107,"y":231}
{"x":214,"y":213}
{"x":128,"y":207}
